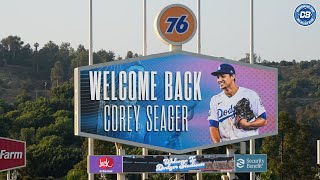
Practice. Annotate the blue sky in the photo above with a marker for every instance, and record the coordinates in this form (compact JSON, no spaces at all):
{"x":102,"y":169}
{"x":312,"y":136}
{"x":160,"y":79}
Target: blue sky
{"x":118,"y":26}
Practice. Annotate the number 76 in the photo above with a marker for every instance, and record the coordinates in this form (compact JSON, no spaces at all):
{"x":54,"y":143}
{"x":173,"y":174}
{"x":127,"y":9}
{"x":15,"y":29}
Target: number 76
{"x":180,"y":24}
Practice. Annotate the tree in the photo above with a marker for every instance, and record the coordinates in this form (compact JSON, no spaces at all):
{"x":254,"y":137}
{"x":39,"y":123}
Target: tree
{"x":50,"y":158}
{"x":4,"y":107}
{"x":104,"y":56}
{"x":11,"y":45}
{"x":46,"y":58}
{"x":77,"y":174}
{"x":22,"y":98}
{"x":57,"y":74}
{"x":129,"y":55}
{"x":14,"y":52}
{"x":62,"y":97}
{"x":247,"y":58}
{"x":2,"y":56}
{"x":32,"y":114}
{"x":65,"y":55}
{"x":79,"y":171}
{"x":25,"y":55}
{"x":28,"y":135}
{"x":81,"y":57}
{"x":5,"y":124}
{"x":285,"y":149}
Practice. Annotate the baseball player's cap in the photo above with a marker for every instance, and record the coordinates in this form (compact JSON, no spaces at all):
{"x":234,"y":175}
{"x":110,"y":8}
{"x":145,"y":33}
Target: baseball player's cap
{"x":224,"y":69}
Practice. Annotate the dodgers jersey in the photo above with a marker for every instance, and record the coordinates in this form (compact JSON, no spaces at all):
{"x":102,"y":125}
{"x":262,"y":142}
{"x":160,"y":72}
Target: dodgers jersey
{"x":222,"y":113}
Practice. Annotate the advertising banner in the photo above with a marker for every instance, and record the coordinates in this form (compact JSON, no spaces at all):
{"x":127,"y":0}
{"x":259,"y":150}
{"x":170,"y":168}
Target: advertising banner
{"x":178,"y":163}
{"x":175,"y":102}
{"x":216,"y":163}
{"x":105,"y":164}
{"x":12,"y":154}
{"x":161,"y":164}
{"x":251,"y":163}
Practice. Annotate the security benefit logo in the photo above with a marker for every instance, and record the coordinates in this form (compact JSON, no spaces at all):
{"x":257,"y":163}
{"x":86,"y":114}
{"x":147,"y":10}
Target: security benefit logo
{"x":240,"y":163}
{"x":251,"y":163}
{"x":305,"y":14}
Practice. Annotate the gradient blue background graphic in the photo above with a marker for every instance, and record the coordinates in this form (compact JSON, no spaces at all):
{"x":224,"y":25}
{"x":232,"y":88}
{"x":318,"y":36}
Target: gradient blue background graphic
{"x":92,"y":111}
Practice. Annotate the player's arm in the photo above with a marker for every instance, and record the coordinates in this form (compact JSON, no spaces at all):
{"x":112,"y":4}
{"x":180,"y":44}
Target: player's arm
{"x":214,"y":131}
{"x":258,"y":122}
{"x":215,"y":135}
{"x":259,"y":110}
{"x":213,"y":122}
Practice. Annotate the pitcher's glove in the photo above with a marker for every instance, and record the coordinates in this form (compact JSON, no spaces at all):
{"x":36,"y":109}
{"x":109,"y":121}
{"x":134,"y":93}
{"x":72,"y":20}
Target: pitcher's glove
{"x":243,"y":111}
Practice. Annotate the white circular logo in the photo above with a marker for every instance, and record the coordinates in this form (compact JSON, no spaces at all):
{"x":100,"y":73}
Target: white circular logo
{"x":240,"y":163}
{"x":305,"y":14}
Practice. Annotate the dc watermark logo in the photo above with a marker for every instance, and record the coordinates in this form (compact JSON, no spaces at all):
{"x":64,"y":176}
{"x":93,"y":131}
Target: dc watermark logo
{"x":240,"y":163}
{"x":305,"y":14}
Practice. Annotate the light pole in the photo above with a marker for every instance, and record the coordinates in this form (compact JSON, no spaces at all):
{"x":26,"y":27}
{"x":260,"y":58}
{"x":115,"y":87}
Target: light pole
{"x":144,"y":52}
{"x":252,"y":141}
{"x":90,"y":140}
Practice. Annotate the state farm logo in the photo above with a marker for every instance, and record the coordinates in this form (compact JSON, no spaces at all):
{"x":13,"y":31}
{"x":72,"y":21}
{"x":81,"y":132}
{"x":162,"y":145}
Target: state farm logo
{"x":105,"y":163}
{"x":10,"y":155}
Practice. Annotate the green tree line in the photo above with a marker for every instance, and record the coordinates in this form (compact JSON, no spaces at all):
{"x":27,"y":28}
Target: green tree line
{"x":45,"y":121}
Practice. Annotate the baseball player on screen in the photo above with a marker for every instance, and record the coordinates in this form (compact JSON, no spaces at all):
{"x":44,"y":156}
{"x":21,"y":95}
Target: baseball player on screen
{"x":236,"y":112}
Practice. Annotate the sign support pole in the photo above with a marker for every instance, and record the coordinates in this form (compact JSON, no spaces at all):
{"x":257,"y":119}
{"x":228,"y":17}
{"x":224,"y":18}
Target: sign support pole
{"x":252,"y":151}
{"x":198,"y":31}
{"x":175,"y":47}
{"x":144,"y":53}
{"x":8,"y":175}
{"x":318,"y":155}
{"x":90,"y":35}
{"x":90,"y":140}
{"x":318,"y":150}
{"x":120,"y":152}
{"x":144,"y":29}
{"x":199,"y":152}
{"x":178,"y":176}
{"x":243,"y":148}
{"x":251,"y":33}
{"x":144,"y":152}
{"x":199,"y":175}
{"x":230,"y":151}
{"x":252,"y":141}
